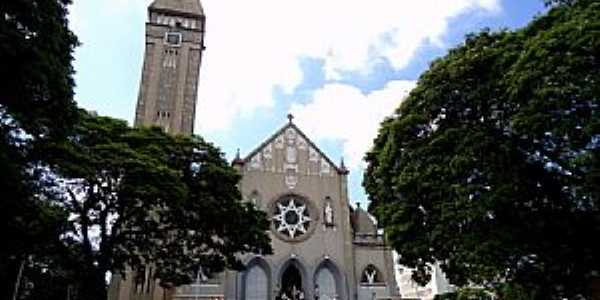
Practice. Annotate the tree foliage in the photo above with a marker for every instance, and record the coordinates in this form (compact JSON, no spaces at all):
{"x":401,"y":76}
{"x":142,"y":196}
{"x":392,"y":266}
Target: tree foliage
{"x":36,"y":48}
{"x":558,"y":2}
{"x":138,"y":196}
{"x":85,"y":195}
{"x":490,"y":166}
{"x":36,"y":105}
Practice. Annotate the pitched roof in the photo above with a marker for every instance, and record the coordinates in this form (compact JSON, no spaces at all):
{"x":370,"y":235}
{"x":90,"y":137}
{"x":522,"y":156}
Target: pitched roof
{"x":290,"y":124}
{"x":181,"y":6}
{"x":363,"y":222}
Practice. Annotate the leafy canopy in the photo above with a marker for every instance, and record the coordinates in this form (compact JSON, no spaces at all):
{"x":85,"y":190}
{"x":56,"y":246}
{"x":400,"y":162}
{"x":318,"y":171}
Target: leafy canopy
{"x":138,"y":196}
{"x":36,"y":104}
{"x":84,"y":195}
{"x":491,"y":165}
{"x":36,"y":47}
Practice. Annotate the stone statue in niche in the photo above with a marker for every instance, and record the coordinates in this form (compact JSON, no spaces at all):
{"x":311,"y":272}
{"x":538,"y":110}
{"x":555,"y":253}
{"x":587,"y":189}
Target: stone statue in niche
{"x":328,"y":212}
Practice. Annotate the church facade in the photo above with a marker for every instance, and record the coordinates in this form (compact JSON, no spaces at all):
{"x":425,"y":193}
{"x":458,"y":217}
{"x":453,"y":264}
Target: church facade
{"x":323,"y":247}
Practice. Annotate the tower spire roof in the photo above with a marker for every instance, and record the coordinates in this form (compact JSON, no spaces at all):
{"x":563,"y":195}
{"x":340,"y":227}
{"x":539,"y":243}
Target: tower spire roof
{"x":181,"y":6}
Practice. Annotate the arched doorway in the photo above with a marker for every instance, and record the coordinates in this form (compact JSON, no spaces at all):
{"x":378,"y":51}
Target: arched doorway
{"x":328,"y":281}
{"x":325,"y":285}
{"x":256,"y":283}
{"x":291,"y":284}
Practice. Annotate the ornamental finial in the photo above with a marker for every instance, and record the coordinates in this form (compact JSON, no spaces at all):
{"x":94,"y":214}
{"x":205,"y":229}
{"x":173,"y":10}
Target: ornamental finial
{"x":290,"y":118}
{"x":238,"y":160}
{"x":343,"y":170}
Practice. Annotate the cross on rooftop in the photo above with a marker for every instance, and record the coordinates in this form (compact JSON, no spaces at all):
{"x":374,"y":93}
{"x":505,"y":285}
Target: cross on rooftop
{"x":290,"y":117}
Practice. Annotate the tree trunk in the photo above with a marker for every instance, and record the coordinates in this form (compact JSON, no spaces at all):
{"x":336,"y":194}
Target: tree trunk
{"x":595,"y":289}
{"x":93,"y":286}
{"x":18,"y":281}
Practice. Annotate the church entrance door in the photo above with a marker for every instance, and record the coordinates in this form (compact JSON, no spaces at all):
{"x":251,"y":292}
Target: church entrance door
{"x":291,"y":284}
{"x":257,"y":284}
{"x":325,"y":287}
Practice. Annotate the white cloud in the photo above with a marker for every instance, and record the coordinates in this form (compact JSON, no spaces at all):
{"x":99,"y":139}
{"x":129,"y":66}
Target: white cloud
{"x":253,"y":46}
{"x":85,"y":14}
{"x":341,"y":112}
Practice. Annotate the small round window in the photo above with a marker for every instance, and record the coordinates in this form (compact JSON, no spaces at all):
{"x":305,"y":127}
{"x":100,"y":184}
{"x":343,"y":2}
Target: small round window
{"x":291,"y":217}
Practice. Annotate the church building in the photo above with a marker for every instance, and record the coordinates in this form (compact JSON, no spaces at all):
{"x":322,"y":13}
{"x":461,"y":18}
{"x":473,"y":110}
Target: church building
{"x":323,"y":247}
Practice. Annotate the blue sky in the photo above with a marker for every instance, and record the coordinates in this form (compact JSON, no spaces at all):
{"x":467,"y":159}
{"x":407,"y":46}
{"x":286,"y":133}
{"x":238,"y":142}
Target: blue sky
{"x":340,"y":66}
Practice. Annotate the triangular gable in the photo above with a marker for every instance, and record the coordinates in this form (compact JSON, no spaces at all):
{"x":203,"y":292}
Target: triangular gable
{"x":279,"y":139}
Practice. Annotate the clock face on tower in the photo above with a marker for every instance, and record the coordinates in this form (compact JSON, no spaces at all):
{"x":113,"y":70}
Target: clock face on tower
{"x":173,"y":39}
{"x":291,"y":218}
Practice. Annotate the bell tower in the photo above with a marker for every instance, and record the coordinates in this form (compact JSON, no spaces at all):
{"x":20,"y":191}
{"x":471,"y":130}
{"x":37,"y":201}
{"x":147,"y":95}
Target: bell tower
{"x":169,"y":84}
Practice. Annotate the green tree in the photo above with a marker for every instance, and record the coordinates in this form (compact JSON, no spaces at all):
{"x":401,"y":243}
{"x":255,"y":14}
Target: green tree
{"x":36,"y":105}
{"x":490,"y":166}
{"x":52,"y":276}
{"x":138,"y":196}
{"x":36,"y":48}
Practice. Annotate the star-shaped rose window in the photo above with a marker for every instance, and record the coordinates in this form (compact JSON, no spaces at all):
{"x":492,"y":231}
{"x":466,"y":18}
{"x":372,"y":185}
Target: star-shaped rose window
{"x":291,"y":218}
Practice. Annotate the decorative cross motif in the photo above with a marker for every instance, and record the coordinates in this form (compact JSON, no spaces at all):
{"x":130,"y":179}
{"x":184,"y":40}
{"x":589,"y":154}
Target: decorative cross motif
{"x":290,"y":117}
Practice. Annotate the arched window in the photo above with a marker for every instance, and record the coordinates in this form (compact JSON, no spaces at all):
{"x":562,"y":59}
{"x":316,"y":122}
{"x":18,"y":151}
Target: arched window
{"x":371,"y":275}
{"x":257,"y":283}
